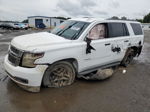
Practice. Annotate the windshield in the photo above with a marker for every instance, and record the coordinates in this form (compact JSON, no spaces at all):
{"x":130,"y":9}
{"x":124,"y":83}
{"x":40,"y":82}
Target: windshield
{"x":70,"y":29}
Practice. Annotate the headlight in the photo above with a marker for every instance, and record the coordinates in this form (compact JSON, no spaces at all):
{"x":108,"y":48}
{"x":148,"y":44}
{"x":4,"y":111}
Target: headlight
{"x":29,"y":59}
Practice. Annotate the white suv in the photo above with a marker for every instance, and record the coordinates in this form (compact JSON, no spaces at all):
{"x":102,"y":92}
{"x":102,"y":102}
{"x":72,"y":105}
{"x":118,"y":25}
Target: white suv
{"x":75,"y":48}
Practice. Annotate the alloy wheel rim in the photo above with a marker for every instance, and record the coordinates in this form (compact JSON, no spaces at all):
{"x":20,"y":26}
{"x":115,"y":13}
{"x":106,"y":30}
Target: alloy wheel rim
{"x":60,"y":76}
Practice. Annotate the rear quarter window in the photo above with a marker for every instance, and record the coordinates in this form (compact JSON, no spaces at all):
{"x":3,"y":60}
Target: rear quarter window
{"x":137,"y":29}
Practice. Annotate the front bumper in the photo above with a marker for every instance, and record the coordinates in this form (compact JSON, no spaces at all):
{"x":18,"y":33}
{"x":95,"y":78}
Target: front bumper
{"x":31,"y":77}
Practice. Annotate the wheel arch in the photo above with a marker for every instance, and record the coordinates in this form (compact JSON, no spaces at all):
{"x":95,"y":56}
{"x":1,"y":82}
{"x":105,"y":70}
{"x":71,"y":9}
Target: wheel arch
{"x":73,"y":61}
{"x":137,"y":50}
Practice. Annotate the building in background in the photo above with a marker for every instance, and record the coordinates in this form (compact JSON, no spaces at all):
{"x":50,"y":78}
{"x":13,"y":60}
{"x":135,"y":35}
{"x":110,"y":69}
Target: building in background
{"x":146,"y":26}
{"x":43,"y":22}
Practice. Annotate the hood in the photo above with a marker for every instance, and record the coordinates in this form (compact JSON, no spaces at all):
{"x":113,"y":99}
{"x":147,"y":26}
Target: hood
{"x":35,"y":40}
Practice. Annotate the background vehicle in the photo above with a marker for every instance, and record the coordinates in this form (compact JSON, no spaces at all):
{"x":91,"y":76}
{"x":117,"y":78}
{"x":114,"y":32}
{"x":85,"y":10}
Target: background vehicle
{"x":7,"y":26}
{"x":41,"y":26}
{"x":20,"y":26}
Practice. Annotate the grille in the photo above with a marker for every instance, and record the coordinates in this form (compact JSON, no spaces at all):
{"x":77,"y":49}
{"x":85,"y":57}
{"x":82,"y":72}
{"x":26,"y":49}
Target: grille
{"x":14,"y":56}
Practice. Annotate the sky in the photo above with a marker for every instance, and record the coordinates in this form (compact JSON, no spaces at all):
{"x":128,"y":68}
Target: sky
{"x":20,"y":9}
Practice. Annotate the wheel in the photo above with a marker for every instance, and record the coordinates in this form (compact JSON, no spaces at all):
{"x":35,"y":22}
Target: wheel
{"x":59,"y":74}
{"x":128,"y":58}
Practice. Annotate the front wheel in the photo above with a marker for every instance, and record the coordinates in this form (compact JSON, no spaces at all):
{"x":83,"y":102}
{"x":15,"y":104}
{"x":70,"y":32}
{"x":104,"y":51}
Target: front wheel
{"x":59,"y":74}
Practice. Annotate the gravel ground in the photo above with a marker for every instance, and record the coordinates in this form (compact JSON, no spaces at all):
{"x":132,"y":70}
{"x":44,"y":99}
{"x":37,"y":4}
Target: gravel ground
{"x":129,"y":92}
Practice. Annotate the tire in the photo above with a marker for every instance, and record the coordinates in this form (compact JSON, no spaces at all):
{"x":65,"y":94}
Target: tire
{"x":59,"y":74}
{"x":128,"y":58}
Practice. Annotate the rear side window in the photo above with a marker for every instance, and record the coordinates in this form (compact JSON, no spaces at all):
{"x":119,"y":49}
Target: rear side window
{"x":136,"y":28}
{"x":117,"y":30}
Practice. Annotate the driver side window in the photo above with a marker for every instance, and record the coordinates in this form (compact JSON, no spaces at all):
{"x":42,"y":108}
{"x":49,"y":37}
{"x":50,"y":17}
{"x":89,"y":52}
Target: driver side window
{"x":97,"y":32}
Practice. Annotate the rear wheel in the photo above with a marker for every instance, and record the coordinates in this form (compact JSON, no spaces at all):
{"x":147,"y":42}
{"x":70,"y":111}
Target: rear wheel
{"x":128,"y":57}
{"x":59,"y":74}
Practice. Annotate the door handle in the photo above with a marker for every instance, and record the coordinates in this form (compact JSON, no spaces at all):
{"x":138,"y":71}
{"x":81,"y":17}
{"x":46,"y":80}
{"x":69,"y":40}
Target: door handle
{"x":107,"y":44}
{"x":126,"y":41}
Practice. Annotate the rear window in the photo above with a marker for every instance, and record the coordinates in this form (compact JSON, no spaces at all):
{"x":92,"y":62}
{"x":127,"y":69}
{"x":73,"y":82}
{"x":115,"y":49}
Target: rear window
{"x":136,"y":28}
{"x":117,"y":30}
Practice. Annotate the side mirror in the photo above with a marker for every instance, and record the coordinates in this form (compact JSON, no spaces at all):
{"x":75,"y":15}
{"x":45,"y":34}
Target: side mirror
{"x":87,"y":38}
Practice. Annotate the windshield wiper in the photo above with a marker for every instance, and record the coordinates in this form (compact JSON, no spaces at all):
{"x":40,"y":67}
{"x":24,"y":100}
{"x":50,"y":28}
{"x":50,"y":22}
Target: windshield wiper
{"x":76,"y":34}
{"x":62,"y":31}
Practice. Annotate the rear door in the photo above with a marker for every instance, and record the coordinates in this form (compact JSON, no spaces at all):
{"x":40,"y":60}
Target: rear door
{"x":120,"y":34}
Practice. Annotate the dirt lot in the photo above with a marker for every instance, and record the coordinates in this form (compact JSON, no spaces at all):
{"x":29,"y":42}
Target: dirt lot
{"x":129,"y":92}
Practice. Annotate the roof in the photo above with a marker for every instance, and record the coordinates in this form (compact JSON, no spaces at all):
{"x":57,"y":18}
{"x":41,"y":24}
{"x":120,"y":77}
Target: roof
{"x":90,"y":19}
{"x":87,"y":19}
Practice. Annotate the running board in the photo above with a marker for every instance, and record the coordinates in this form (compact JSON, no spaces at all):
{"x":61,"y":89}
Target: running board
{"x":100,"y":67}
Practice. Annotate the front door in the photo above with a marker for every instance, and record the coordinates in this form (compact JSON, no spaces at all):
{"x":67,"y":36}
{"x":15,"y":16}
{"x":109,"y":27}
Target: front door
{"x":102,"y":45}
